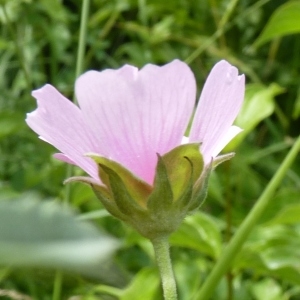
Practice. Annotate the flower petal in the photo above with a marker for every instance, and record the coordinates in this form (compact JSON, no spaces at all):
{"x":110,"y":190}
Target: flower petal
{"x":136,"y":114}
{"x":59,"y":122}
{"x":64,"y":158}
{"x":225,"y":139}
{"x":219,"y":104}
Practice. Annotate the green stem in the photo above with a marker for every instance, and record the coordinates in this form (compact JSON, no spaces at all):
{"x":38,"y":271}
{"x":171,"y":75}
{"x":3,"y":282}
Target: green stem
{"x":228,"y":211}
{"x":57,"y":286}
{"x":243,"y":232}
{"x":162,"y":255}
{"x":228,"y":12}
{"x":18,"y":48}
{"x":109,"y":290}
{"x":221,"y":30}
{"x":82,"y":37}
{"x":78,"y":71}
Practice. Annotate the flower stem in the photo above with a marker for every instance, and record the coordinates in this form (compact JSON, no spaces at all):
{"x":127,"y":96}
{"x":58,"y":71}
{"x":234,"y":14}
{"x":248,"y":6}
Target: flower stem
{"x":243,"y":232}
{"x":162,"y":255}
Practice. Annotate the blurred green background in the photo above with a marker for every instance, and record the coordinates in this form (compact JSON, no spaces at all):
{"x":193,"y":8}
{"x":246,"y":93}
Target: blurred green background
{"x":38,"y":45}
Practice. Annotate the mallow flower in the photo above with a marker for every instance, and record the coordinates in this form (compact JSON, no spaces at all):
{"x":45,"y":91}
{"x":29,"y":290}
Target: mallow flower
{"x":128,"y":134}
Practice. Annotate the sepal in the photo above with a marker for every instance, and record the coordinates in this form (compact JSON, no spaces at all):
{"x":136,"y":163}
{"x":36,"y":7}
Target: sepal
{"x":108,"y":202}
{"x":179,"y":162}
{"x":102,"y":193}
{"x":179,"y":187}
{"x":161,"y":198}
{"x":222,"y":158}
{"x":200,"y":189}
{"x":137,"y":188}
{"x":121,"y":194}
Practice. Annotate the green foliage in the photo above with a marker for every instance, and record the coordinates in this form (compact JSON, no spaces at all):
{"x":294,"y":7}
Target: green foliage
{"x":34,"y":234}
{"x":199,"y":232}
{"x":38,"y":45}
{"x":284,"y":21}
{"x":259,"y":104}
{"x":149,"y":291}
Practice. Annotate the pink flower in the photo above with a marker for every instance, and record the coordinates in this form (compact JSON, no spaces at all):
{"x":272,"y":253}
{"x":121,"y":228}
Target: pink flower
{"x":129,"y":115}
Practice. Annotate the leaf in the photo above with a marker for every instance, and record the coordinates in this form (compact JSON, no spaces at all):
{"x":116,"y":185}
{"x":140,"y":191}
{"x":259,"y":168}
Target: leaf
{"x":145,"y":283}
{"x":257,"y":106}
{"x":284,"y":21}
{"x":199,"y":232}
{"x":272,"y":250}
{"x":288,"y":215}
{"x":10,"y":123}
{"x":282,"y":256}
{"x":187,"y":273}
{"x":296,"y":109}
{"x":267,"y":289}
{"x":44,"y":234}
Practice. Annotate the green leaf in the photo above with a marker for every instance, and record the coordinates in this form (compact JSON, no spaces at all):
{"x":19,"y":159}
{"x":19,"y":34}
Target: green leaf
{"x":282,"y":249}
{"x":35,"y":234}
{"x":284,"y":21}
{"x":288,"y":215}
{"x":137,"y":188}
{"x":282,"y":256}
{"x":199,"y":232}
{"x":145,"y":283}
{"x":10,"y":123}
{"x":187,"y":274}
{"x":267,"y":289}
{"x":272,"y":250}
{"x":258,"y":105}
{"x":296,"y":109}
{"x":178,"y":163}
{"x":287,"y":274}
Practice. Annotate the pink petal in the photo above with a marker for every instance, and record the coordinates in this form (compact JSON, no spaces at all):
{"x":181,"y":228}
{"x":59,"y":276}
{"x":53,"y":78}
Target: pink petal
{"x":64,"y":158}
{"x":135,"y":114}
{"x":59,"y":122}
{"x":219,"y":104}
{"x":225,"y":139}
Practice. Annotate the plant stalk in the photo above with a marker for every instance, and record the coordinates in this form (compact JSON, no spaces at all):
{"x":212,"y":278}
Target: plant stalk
{"x":18,"y":49}
{"x":57,"y":289}
{"x":78,"y":71}
{"x":243,"y":232}
{"x":162,"y":255}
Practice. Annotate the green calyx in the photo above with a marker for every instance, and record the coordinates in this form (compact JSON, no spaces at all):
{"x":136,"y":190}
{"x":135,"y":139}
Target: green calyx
{"x":179,"y":187}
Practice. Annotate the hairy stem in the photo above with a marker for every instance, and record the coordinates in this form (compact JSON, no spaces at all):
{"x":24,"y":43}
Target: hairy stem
{"x":162,"y":255}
